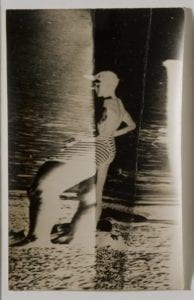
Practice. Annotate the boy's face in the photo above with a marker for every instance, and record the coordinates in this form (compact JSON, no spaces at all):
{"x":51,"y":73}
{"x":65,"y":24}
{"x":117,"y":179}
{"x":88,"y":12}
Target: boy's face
{"x":104,"y":88}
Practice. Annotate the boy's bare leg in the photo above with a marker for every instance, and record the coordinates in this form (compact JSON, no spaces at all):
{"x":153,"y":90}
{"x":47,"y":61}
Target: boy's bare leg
{"x":49,"y":184}
{"x":101,"y":179}
{"x":83,"y":226}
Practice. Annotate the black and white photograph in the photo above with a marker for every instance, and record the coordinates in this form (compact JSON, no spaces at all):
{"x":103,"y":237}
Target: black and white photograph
{"x":94,"y":125}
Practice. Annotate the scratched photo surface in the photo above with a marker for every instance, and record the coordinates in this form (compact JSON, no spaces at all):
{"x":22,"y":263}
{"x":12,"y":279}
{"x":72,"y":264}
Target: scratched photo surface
{"x":51,"y":103}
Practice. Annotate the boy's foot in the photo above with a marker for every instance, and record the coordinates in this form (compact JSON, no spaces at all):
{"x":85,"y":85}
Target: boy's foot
{"x":31,"y":242}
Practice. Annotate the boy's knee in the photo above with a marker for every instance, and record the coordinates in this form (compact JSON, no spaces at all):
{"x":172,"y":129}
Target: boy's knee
{"x":88,"y":199}
{"x":44,"y":179}
{"x":87,"y":203}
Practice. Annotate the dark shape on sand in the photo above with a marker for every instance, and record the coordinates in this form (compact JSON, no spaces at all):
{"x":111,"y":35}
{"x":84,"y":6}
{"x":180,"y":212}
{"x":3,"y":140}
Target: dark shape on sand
{"x":17,"y":235}
{"x":122,"y":216}
{"x":104,"y":225}
{"x":18,"y":238}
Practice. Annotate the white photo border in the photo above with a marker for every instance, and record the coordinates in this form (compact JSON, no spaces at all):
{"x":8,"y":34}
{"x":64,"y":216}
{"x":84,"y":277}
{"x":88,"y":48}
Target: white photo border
{"x":62,"y":4}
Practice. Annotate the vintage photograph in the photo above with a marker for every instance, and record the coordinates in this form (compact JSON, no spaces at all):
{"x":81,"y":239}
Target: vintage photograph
{"x":94,"y":105}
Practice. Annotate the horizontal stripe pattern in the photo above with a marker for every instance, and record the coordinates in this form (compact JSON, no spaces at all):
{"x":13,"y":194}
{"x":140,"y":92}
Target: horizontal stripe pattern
{"x":105,"y":151}
{"x":98,"y":150}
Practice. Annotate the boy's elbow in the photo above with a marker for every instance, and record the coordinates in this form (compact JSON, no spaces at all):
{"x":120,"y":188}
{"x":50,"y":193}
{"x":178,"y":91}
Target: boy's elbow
{"x":133,"y":126}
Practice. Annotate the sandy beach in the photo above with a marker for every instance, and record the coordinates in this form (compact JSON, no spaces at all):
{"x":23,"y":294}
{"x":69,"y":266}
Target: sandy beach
{"x":133,"y":256}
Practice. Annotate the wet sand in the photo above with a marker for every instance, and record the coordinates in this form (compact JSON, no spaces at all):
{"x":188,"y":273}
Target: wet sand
{"x":134,"y":256}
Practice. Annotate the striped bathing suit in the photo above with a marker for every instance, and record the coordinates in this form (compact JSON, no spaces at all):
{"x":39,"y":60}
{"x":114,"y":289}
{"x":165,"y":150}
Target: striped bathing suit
{"x":97,"y":150}
{"x":105,"y":150}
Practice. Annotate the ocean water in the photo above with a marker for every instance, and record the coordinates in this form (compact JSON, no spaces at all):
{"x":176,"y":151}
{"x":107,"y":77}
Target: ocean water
{"x":49,"y":99}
